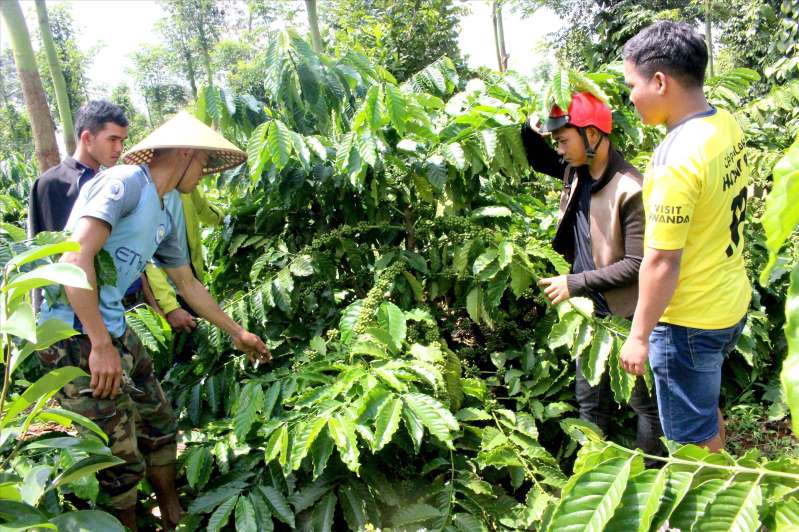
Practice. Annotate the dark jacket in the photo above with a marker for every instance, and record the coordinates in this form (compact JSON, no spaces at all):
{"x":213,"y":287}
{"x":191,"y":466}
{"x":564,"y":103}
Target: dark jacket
{"x":53,"y":194}
{"x":616,"y":223}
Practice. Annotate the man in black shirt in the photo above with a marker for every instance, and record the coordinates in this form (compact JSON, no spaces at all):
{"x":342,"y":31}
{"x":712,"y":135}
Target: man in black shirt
{"x":101,"y":128}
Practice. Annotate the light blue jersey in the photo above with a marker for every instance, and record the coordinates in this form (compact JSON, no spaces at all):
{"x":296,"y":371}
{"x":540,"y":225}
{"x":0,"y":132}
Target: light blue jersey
{"x":126,"y":199}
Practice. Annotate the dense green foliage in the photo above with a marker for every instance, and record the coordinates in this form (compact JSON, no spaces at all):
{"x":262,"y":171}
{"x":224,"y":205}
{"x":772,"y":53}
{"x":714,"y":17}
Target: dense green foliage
{"x":385,"y":238}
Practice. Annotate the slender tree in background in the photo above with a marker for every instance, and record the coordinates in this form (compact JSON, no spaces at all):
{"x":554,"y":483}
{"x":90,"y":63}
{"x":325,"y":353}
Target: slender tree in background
{"x":57,"y":75}
{"x":499,"y":35}
{"x":709,"y":39}
{"x":35,"y":100}
{"x":313,"y":23}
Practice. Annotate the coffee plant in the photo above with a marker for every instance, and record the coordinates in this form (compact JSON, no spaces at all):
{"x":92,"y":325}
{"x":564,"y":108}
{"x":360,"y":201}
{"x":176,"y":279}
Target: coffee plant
{"x":386,"y":239}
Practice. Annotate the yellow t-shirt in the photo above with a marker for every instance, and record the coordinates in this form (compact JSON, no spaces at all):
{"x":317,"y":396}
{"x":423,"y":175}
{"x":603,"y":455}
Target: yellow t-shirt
{"x":694,"y":196}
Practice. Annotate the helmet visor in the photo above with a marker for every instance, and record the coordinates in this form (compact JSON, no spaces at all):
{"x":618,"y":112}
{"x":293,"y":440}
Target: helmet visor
{"x":554,"y":123}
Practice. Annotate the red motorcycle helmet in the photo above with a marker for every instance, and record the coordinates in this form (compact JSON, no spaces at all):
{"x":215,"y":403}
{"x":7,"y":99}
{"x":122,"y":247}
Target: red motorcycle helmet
{"x":585,"y":110}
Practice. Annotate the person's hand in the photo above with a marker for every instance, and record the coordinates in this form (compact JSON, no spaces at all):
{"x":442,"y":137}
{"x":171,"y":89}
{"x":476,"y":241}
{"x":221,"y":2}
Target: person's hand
{"x":105,"y":367}
{"x":181,"y":320}
{"x":555,"y":288}
{"x":253,"y":346}
{"x":634,"y":355}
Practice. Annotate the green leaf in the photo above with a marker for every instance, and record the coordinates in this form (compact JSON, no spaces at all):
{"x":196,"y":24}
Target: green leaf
{"x":263,"y":515}
{"x":392,"y":319}
{"x":65,"y":418}
{"x":304,"y":435}
{"x":324,"y":512}
{"x":433,"y":415}
{"x":348,"y":320}
{"x":593,"y":366}
{"x":593,"y":498}
{"x":564,"y":331}
{"x":639,"y":502}
{"x":278,"y":504}
{"x":321,"y":450}
{"x":489,"y":141}
{"x":454,"y":155}
{"x":277,"y":444}
{"x":789,"y":377}
{"x":45,"y":386}
{"x":87,"y":466}
{"x":621,"y":382}
{"x":735,"y":508}
{"x":35,"y":483}
{"x":677,"y":485}
{"x":251,"y":401}
{"x":221,"y":515}
{"x":695,"y":503}
{"x":782,"y":207}
{"x":492,"y":212}
{"x":414,"y":426}
{"x":257,"y":151}
{"x":786,"y":515}
{"x":58,"y":273}
{"x":353,"y":506}
{"x":396,"y":107}
{"x":414,"y":514}
{"x":86,"y":445}
{"x":211,"y":499}
{"x":39,"y":252}
{"x":87,"y":521}
{"x":520,"y":277}
{"x":21,"y":322}
{"x":198,"y":467}
{"x":474,"y":304}
{"x":307,"y":496}
{"x":105,"y":269}
{"x":387,"y":422}
{"x":278,"y":141}
{"x":48,"y":333}
{"x":302,"y":266}
{"x":245,"y":516}
{"x":342,"y":430}
{"x":483,"y":263}
{"x":468,"y":523}
{"x":17,"y":234}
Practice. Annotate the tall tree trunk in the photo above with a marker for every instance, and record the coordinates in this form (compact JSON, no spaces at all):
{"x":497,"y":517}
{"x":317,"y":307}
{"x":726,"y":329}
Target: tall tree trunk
{"x":3,"y":91}
{"x":59,"y":84}
{"x":313,"y":22}
{"x":35,"y":101}
{"x":190,"y":72}
{"x":709,"y":39}
{"x":207,"y":63}
{"x":499,"y":35}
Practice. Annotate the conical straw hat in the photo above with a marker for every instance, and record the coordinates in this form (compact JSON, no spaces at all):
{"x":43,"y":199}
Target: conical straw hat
{"x":185,"y":131}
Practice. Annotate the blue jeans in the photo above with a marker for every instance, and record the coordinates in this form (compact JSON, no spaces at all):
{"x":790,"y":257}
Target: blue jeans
{"x":687,"y":363}
{"x":597,"y":406}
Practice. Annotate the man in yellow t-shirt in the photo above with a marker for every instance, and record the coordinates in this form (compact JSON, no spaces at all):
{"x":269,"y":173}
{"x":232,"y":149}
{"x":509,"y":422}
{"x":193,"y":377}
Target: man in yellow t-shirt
{"x":693,"y":289}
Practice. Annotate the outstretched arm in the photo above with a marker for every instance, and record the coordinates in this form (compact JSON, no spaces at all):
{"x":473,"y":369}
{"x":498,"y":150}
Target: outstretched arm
{"x":203,"y":304}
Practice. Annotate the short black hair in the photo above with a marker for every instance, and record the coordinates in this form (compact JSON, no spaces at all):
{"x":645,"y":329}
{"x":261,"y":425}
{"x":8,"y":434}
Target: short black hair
{"x":671,"y":47}
{"x":93,"y":117}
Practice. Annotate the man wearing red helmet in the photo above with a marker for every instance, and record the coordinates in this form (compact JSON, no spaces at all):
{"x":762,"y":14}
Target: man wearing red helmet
{"x":600,"y":232}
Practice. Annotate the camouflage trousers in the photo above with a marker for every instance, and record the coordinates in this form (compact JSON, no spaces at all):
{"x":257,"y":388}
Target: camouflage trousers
{"x":140,"y":423}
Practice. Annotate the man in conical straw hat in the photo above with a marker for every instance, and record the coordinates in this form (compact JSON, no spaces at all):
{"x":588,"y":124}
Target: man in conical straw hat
{"x":134,"y":213}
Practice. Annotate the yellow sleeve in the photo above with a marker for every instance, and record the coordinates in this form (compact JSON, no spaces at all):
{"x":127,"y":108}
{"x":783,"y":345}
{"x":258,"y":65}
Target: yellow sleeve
{"x":671,"y":193}
{"x":162,"y":290}
{"x":207,"y":213}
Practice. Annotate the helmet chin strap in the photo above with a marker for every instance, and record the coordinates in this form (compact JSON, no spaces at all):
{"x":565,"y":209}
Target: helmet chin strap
{"x":590,"y":152}
{"x":186,"y":169}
